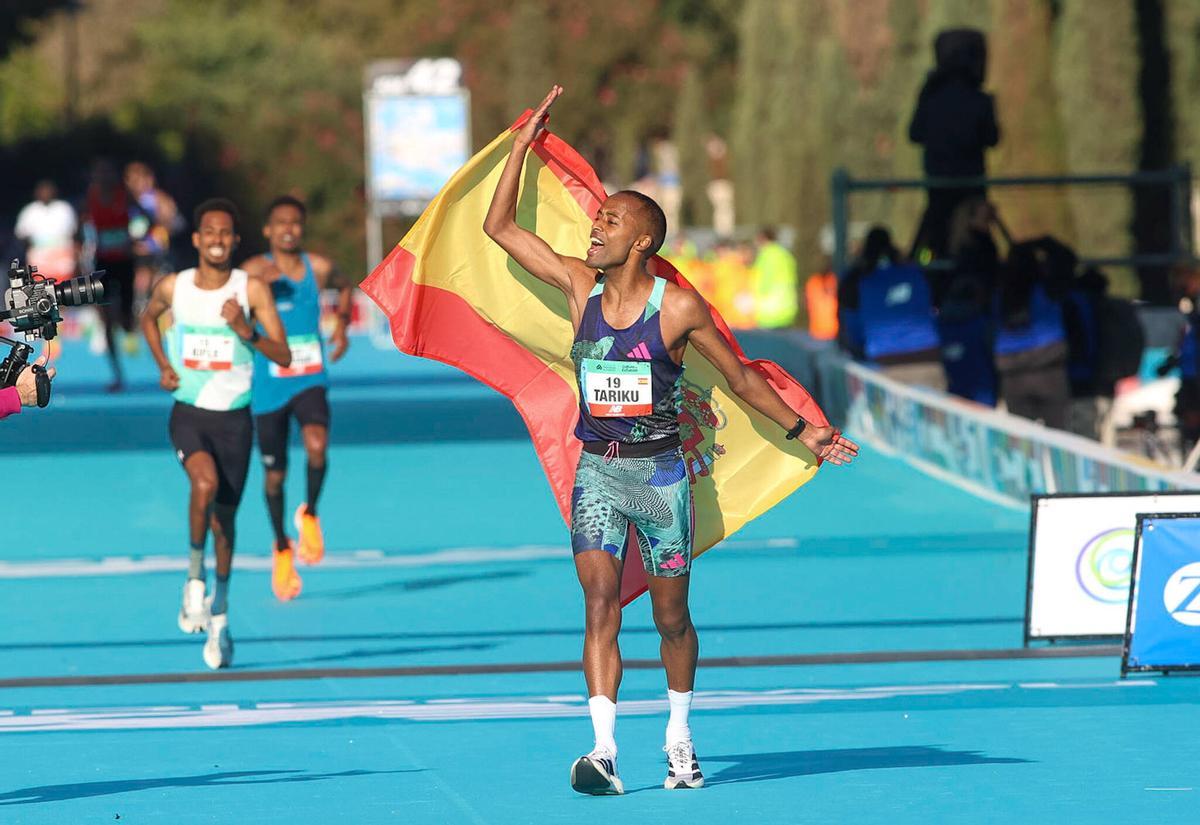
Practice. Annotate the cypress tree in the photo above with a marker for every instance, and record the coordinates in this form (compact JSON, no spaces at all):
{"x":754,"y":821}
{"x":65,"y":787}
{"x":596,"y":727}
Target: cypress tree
{"x":529,"y":65}
{"x":688,"y":132}
{"x":1020,"y":52}
{"x":1095,"y":75}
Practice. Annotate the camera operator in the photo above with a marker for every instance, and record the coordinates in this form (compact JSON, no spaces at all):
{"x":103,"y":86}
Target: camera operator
{"x":24,"y":394}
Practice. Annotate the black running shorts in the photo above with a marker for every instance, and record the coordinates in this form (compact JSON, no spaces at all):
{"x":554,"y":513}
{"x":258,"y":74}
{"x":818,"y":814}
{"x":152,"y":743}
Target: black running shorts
{"x":310,"y":407}
{"x":228,"y":436}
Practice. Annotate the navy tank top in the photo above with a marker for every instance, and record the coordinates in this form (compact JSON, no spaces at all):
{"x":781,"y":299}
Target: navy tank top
{"x":628,"y":384}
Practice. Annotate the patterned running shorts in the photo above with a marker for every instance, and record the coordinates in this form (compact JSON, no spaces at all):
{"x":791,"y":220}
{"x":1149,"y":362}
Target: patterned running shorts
{"x":651,"y":494}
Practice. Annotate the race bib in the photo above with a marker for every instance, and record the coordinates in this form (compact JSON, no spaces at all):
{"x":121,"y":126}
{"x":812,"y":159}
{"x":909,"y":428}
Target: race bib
{"x":207,"y":351}
{"x":616,"y":389}
{"x":306,"y":358}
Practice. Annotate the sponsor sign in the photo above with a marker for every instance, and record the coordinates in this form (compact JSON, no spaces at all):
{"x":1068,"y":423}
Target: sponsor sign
{"x":1081,"y":560}
{"x":1163,"y":615}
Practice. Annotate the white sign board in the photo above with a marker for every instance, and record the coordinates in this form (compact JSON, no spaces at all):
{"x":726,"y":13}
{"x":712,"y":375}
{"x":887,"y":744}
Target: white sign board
{"x":1080,"y":560}
{"x":418,"y":131}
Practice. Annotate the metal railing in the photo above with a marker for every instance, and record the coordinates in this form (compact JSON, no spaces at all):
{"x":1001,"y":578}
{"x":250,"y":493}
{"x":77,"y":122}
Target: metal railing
{"x":1177,"y":178}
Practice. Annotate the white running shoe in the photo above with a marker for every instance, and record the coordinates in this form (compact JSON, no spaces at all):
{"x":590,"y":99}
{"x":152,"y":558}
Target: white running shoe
{"x":218,"y":649}
{"x":683,"y":771}
{"x":193,"y":614}
{"x":596,"y":774}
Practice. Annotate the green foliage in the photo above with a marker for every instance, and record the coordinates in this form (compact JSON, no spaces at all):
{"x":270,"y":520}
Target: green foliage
{"x":1095,"y":74}
{"x":688,"y":133}
{"x":1183,"y":41}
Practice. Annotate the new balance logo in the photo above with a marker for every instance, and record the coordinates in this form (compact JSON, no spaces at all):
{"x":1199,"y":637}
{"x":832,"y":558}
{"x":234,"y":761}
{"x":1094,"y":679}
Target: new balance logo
{"x":640,"y":351}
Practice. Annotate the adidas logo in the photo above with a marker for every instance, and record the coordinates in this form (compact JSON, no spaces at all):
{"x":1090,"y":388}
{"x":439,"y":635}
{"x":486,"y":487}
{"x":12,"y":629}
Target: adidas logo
{"x":640,"y":351}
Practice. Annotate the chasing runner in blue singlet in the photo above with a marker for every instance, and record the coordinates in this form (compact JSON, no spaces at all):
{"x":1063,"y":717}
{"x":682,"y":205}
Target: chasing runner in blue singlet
{"x":298,"y":391}
{"x":631,"y":330}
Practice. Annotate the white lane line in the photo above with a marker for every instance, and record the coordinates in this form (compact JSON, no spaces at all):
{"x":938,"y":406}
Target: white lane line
{"x":464,"y":708}
{"x":345,"y":560}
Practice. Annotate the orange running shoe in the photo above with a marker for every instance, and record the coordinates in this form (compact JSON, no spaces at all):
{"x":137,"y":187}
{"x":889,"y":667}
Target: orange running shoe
{"x":312,"y":542}
{"x":285,"y":581}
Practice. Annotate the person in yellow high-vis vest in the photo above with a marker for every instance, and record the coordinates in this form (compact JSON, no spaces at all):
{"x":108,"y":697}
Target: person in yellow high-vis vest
{"x":775,"y":283}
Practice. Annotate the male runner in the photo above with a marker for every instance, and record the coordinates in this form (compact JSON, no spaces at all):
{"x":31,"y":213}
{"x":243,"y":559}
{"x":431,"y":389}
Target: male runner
{"x":296,"y":279}
{"x":631,"y":330}
{"x":208,"y":370}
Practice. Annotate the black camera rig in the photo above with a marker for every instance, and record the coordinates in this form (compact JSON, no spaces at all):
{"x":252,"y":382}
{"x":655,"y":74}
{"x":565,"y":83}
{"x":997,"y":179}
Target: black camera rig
{"x":31,"y":306}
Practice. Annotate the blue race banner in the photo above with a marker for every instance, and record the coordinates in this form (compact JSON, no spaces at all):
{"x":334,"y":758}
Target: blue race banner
{"x":1162,"y":630}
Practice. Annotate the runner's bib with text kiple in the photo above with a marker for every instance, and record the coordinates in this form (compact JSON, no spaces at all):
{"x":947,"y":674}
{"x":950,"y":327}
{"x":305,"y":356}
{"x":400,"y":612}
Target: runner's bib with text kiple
{"x":307,"y":358}
{"x":616,"y":389}
{"x":214,"y":365}
{"x":207,"y":348}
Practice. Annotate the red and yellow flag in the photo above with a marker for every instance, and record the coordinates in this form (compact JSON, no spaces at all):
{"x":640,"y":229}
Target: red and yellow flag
{"x":451,"y":294}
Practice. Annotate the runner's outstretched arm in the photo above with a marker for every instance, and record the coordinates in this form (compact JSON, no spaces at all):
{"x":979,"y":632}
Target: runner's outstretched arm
{"x":526,"y":248}
{"x":748,"y":384}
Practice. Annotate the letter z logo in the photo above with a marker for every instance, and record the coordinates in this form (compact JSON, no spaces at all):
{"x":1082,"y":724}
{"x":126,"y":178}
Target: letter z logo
{"x":1181,"y":596}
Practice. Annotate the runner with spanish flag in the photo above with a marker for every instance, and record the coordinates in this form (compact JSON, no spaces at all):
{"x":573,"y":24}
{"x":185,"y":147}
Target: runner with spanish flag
{"x":632,"y":426}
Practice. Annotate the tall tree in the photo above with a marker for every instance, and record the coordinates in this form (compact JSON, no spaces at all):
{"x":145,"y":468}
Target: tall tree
{"x":1095,"y":74}
{"x":1021,"y":74}
{"x":530,"y":71}
{"x":688,"y":133}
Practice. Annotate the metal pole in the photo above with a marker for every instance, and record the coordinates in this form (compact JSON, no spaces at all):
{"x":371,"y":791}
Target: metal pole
{"x":374,"y":238}
{"x":1176,"y":212}
{"x":839,"y":186}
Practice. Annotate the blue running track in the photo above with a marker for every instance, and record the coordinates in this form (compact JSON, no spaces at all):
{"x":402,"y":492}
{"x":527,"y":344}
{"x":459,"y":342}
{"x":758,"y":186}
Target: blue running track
{"x":427,"y":674}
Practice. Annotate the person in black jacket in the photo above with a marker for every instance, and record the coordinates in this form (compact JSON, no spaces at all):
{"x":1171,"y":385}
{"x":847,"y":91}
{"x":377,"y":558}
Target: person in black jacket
{"x":955,"y":121}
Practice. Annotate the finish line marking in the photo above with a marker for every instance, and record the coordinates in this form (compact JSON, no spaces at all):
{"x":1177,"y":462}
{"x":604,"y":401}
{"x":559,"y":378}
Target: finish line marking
{"x":294,"y":674}
{"x":467,"y":708}
{"x":346,"y":560}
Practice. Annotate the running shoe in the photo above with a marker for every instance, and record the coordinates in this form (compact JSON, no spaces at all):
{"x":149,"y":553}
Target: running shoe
{"x":596,"y":774}
{"x":285,"y":581}
{"x":193,"y":613}
{"x":312,"y":542}
{"x":683,"y":771}
{"x":218,"y":648}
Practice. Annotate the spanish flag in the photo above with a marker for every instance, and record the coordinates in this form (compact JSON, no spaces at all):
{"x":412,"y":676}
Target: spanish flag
{"x":453,"y":295}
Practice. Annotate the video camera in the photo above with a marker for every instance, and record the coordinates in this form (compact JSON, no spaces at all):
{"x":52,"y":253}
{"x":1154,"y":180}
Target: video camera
{"x":31,"y":305}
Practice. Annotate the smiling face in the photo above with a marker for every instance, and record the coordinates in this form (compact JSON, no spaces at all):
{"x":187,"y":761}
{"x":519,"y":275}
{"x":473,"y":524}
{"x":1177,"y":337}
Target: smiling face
{"x":284,"y":230}
{"x":617,"y":231}
{"x":215,"y":238}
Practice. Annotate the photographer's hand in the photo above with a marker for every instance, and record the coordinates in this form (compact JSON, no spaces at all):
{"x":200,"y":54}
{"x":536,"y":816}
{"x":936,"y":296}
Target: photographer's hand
{"x":27,"y":382}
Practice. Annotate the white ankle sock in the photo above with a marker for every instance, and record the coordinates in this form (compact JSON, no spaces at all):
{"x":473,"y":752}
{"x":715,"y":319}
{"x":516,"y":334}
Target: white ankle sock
{"x":677,"y":724}
{"x":604,"y":721}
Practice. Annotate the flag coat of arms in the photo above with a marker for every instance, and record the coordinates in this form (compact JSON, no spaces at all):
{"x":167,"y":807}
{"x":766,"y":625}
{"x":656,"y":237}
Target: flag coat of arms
{"x":451,"y":294}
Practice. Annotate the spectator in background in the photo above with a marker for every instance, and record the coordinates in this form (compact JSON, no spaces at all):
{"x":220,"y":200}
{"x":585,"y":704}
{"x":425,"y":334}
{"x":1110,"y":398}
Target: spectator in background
{"x":775,"y":283}
{"x":107,"y":216}
{"x":890,"y":314}
{"x":156,"y":219}
{"x":954,"y":121}
{"x":964,"y":300}
{"x":1031,"y":340}
{"x":47,"y":227}
{"x":1091,"y":390}
{"x":720,"y":187}
{"x":1187,"y":358}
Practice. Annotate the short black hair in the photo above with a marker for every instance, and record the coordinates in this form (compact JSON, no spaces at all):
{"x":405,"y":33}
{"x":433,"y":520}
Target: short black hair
{"x":656,"y":219}
{"x":286,"y":200}
{"x":216,"y":205}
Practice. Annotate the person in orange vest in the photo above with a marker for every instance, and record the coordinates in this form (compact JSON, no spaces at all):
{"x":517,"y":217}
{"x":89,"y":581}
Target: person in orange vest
{"x":820,"y":293}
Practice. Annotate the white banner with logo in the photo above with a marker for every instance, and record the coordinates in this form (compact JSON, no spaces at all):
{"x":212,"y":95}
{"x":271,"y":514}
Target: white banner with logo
{"x":1081,"y":556}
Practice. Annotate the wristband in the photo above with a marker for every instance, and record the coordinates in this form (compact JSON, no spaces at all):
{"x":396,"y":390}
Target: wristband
{"x":797,"y":429}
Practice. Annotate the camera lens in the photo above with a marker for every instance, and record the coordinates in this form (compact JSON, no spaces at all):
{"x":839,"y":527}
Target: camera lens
{"x":85,"y":289}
